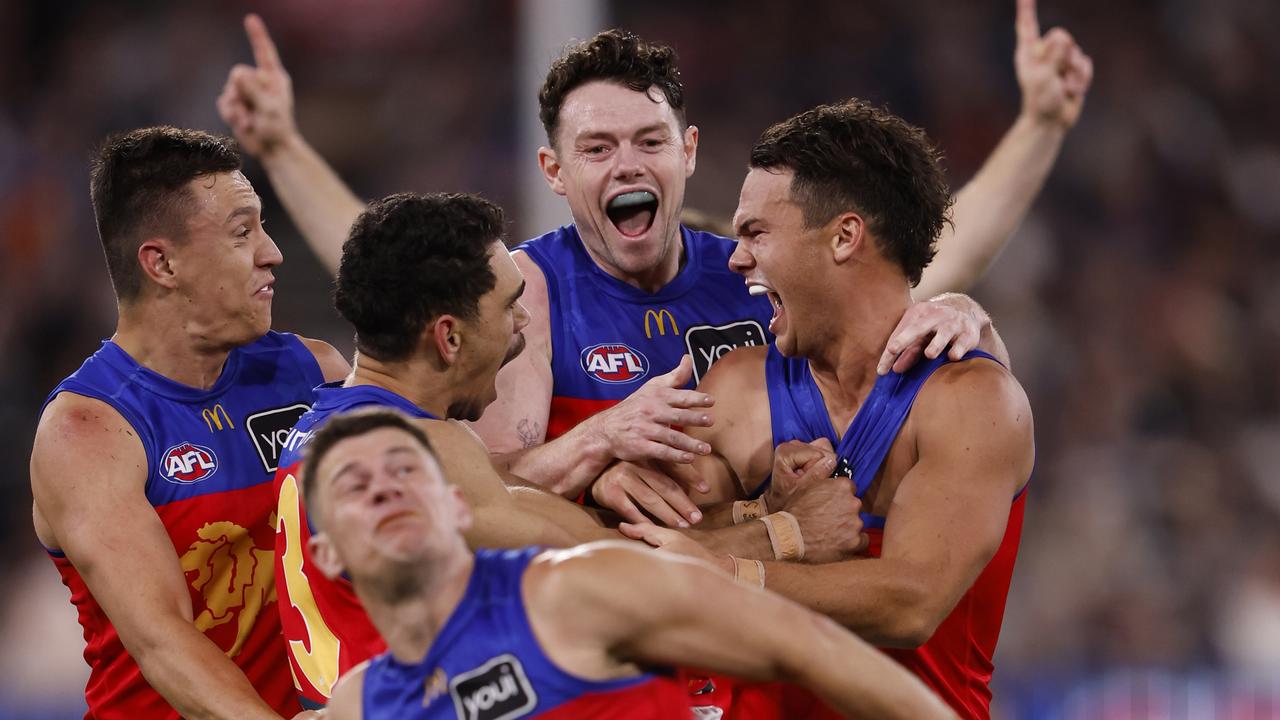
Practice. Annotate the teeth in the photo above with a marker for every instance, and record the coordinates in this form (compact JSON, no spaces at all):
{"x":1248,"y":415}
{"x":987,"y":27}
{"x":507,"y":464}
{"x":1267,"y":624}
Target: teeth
{"x":631,"y":199}
{"x":757,"y":290}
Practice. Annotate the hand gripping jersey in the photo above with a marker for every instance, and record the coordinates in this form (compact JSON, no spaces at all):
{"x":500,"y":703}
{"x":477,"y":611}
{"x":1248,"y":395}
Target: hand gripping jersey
{"x":608,"y":337}
{"x":486,"y":664}
{"x":211,"y":455}
{"x":956,"y":661}
{"x":325,"y":626}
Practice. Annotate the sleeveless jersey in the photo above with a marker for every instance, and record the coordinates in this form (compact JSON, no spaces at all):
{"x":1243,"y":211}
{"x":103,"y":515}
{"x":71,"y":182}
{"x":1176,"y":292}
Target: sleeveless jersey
{"x":486,"y":664}
{"x":957,"y":661}
{"x":325,"y":626}
{"x":608,"y":337}
{"x":211,"y":455}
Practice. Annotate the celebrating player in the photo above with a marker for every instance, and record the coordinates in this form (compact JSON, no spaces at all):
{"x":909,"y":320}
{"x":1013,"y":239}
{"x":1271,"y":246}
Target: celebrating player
{"x":532,"y":633}
{"x":162,"y":441}
{"x":837,"y":218}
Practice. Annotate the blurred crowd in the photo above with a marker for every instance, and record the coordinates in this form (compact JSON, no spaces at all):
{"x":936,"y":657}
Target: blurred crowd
{"x":1139,"y":301}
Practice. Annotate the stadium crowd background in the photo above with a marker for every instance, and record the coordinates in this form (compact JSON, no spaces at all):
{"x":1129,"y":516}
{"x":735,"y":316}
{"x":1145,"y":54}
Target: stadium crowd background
{"x":1139,"y":301}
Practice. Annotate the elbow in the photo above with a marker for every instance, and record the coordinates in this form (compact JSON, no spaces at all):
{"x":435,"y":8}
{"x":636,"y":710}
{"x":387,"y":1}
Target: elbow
{"x":914,"y":619}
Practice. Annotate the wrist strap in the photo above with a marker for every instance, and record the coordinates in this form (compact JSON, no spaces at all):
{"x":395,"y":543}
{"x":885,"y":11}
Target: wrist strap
{"x":784,"y":535}
{"x":748,"y":572}
{"x":744,"y":510}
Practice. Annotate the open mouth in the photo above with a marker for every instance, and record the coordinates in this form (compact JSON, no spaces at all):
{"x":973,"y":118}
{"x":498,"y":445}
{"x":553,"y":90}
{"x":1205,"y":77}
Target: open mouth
{"x":774,"y":299}
{"x":632,"y":213}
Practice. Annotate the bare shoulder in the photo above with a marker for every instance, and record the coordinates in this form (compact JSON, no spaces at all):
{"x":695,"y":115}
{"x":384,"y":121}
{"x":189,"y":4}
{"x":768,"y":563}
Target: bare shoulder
{"x":608,"y":574}
{"x":347,"y":700}
{"x":83,"y":447}
{"x":976,"y":409}
{"x":332,"y":364}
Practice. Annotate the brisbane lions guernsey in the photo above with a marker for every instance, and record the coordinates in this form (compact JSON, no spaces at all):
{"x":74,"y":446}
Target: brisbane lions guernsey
{"x":211,"y":455}
{"x":325,"y":626}
{"x":486,"y":664}
{"x":956,"y":661}
{"x":608,"y":337}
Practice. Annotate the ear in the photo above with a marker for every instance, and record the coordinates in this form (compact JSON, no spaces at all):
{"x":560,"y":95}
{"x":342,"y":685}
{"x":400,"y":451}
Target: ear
{"x":549,"y":163}
{"x":155,"y":256}
{"x":445,"y":335}
{"x":847,"y":236}
{"x":690,"y":149}
{"x":324,"y":555}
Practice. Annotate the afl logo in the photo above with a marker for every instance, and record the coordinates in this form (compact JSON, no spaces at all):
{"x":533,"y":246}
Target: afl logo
{"x":614,"y":363}
{"x":187,"y":463}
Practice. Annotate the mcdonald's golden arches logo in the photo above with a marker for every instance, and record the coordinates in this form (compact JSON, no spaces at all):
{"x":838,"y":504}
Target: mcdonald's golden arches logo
{"x":660,"y":318}
{"x":215,"y":416}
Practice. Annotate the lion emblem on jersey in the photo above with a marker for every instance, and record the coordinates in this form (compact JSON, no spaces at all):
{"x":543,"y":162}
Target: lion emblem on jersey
{"x":235,"y":578}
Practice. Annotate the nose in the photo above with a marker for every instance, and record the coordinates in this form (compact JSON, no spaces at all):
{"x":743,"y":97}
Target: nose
{"x":384,"y":488}
{"x":741,"y":261}
{"x":522,"y":318}
{"x":627,"y":163}
{"x":269,"y":254}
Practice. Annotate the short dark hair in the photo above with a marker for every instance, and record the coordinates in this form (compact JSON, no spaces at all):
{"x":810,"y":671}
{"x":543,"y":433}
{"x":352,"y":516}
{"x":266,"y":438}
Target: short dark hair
{"x":855,"y":156}
{"x":344,"y":426}
{"x":138,"y":184}
{"x":615,"y":55}
{"x":411,"y":258}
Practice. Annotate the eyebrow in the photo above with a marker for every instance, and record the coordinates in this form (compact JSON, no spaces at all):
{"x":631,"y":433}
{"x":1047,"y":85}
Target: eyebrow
{"x":743,"y":225}
{"x":250,"y":210}
{"x":603,"y":134}
{"x":344,"y":469}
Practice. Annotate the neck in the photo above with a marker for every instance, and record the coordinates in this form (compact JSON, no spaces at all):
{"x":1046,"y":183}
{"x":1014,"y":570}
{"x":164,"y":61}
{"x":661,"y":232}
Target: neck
{"x":413,"y":379}
{"x":411,"y":622}
{"x":844,"y":362}
{"x":653,"y":279}
{"x":162,"y":341}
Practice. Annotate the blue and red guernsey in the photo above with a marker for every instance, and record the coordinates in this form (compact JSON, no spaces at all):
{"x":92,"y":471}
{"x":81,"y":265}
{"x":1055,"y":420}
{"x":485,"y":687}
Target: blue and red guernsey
{"x":486,"y":664}
{"x":957,"y":661}
{"x":608,"y":337}
{"x":325,"y":626}
{"x":211,"y":455}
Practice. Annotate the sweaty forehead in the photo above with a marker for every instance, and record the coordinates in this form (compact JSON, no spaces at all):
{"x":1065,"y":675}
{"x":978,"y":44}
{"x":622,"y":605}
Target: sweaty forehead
{"x":765,"y":196}
{"x":217,"y":194}
{"x":604,"y":107}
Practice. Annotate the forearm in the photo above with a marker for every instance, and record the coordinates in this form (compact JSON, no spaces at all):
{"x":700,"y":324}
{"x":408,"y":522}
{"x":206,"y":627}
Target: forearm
{"x":991,"y":205}
{"x":882,"y":602}
{"x":851,"y":676}
{"x":566,"y":465}
{"x":193,"y":674}
{"x":571,"y":520}
{"x":318,"y":202}
{"x":749,"y":540}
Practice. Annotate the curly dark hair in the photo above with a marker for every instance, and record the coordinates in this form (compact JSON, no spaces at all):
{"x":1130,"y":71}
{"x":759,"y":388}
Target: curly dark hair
{"x":855,"y":156}
{"x":138,"y":182}
{"x":411,"y":258}
{"x":344,"y":426}
{"x":615,"y":55}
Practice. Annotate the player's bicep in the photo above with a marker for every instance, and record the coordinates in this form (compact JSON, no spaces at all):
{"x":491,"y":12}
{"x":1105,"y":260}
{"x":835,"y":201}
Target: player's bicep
{"x":740,"y":438}
{"x":88,"y":477}
{"x":347,"y":702}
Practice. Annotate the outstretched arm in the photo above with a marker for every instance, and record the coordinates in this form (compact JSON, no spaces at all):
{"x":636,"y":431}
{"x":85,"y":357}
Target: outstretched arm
{"x":257,"y":103}
{"x":686,"y":613}
{"x":1054,"y":74}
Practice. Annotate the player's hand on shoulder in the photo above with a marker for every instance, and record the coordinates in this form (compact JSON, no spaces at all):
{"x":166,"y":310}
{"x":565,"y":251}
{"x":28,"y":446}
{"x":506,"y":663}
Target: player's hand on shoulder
{"x":257,"y":100}
{"x":1053,"y":72}
{"x":928,"y":328}
{"x":640,"y":427}
{"x":636,"y":491}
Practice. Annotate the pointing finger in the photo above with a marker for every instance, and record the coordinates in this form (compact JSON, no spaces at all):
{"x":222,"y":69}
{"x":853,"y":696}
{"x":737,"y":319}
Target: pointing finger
{"x":1027,"y":25}
{"x":264,"y":51}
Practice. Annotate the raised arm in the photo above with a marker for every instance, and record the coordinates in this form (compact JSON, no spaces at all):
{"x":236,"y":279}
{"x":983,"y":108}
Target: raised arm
{"x":1054,"y":75}
{"x":687,"y":614}
{"x":88,"y":478}
{"x":257,"y":103}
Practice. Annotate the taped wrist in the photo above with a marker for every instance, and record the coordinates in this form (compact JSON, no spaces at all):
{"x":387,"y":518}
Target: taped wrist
{"x":744,"y":510}
{"x":784,"y":535}
{"x":748,"y":572}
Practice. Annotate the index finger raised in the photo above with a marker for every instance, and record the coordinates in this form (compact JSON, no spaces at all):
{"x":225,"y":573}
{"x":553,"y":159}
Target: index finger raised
{"x":264,"y":50}
{"x":1027,"y":24}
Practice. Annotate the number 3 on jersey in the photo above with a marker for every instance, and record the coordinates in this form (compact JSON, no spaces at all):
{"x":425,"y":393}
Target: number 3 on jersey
{"x":319,"y":665}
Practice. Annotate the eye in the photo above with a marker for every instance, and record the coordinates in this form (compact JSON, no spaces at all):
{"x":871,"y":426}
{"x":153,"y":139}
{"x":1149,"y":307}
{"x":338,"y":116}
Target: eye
{"x":243,"y":231}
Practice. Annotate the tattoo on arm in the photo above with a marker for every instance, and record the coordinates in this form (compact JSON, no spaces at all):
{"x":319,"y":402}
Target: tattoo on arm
{"x":530,"y":433}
